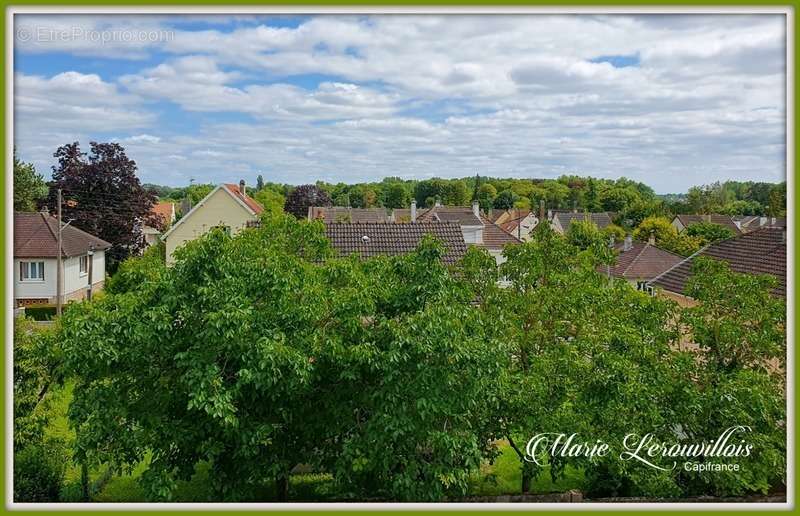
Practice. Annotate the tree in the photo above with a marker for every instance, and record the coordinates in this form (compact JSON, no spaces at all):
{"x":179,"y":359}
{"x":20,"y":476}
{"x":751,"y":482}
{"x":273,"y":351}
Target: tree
{"x":397,"y":196}
{"x":272,"y":201}
{"x":486,"y":196}
{"x":103,"y":196}
{"x":709,"y":233}
{"x":585,"y":234}
{"x":304,"y":196}
{"x":197,"y":193}
{"x":259,"y":183}
{"x":29,"y":187}
{"x":505,"y":200}
{"x":259,"y":352}
{"x":666,"y":236}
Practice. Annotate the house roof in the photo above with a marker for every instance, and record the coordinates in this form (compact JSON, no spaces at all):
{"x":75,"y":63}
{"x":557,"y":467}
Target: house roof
{"x":495,"y":238}
{"x":565,"y":219}
{"x":35,"y":237}
{"x":722,"y":220}
{"x":165,"y":211}
{"x":343,"y":214}
{"x":463,"y":215}
{"x":247,"y":202}
{"x":388,"y":239}
{"x":762,"y":251}
{"x":642,"y":261}
{"x":514,"y":219}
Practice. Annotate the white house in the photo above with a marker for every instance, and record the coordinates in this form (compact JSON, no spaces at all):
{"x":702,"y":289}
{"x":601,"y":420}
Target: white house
{"x":35,"y":260}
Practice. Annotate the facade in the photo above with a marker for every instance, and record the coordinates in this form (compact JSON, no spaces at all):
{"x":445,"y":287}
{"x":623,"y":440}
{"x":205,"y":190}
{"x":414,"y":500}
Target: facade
{"x":517,"y":222}
{"x":561,"y":221}
{"x":226,"y":206}
{"x":164,"y":211}
{"x":36,"y":259}
{"x":762,"y":251}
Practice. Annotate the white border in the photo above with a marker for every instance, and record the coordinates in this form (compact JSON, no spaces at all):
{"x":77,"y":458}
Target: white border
{"x":790,"y":162}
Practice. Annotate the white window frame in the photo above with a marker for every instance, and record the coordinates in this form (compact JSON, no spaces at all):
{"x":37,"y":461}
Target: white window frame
{"x":83,"y":271}
{"x":26,"y":268}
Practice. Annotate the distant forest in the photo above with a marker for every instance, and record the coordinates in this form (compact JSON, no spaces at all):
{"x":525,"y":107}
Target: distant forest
{"x":631,"y":200}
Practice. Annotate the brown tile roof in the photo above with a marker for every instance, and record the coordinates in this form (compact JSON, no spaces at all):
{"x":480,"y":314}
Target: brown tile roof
{"x":759,"y":252}
{"x":388,"y":239}
{"x":249,"y":201}
{"x":460,"y":214}
{"x":513,"y":220}
{"x":494,"y":237}
{"x":343,"y":214}
{"x":35,"y":237}
{"x":722,"y":220}
{"x":601,"y":220}
{"x":165,"y":211}
{"x":642,"y":261}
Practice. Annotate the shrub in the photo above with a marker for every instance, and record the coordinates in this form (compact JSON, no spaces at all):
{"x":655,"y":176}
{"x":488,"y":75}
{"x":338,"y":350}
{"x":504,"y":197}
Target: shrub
{"x":41,"y":312}
{"x":39,"y":471}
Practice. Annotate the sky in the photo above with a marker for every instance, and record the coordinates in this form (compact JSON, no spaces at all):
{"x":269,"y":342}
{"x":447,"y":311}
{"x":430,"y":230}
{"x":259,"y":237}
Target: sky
{"x":669,"y":100}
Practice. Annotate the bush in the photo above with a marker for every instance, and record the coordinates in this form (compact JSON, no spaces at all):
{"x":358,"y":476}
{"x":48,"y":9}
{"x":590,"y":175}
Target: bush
{"x":41,"y":312}
{"x":39,"y":471}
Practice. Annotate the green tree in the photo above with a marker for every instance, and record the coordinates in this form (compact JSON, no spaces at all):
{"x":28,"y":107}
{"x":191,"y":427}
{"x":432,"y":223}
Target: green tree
{"x":29,"y":187}
{"x":197,"y":193}
{"x":397,"y":196}
{"x":486,"y":196}
{"x":708,"y":232}
{"x":505,"y":200}
{"x":271,"y":200}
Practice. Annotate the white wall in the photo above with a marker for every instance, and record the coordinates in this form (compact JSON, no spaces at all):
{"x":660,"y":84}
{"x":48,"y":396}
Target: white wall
{"x":472,"y":234}
{"x":36,"y":289}
{"x":73,"y":280}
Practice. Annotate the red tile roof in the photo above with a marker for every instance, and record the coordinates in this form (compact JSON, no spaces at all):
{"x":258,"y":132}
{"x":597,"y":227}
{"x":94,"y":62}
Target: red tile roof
{"x":762,"y":251}
{"x":389,"y":239}
{"x":35,"y":237}
{"x":249,"y":201}
{"x":165,"y":211}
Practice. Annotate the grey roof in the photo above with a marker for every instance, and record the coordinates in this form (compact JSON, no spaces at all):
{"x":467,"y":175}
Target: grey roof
{"x":762,"y":251}
{"x":388,"y":239}
{"x":601,"y":220}
{"x":462,"y":215}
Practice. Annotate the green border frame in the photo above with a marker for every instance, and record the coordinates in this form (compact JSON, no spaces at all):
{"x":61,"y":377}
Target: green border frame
{"x":300,"y":5}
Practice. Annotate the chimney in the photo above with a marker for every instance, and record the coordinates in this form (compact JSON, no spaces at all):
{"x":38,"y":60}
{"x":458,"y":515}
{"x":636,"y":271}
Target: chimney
{"x":707,"y":217}
{"x":574,"y":206}
{"x":773,"y":221}
{"x":438,"y":202}
{"x":628,"y":244}
{"x":476,"y":208}
{"x":242,"y":188}
{"x":413,"y":210}
{"x":652,"y":239}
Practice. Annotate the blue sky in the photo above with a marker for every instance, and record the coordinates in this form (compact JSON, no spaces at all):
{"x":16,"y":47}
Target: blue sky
{"x":672,"y":101}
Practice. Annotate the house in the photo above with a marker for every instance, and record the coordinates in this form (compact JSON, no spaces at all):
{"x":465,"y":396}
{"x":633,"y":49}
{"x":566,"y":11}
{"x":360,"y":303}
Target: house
{"x":561,"y":221}
{"x":36,"y":260}
{"x":165,"y":211}
{"x":749,"y":223}
{"x":343,"y":214}
{"x":227,"y":206}
{"x":476,"y":228}
{"x":517,"y":222}
{"x":762,"y":251}
{"x":639,"y":262}
{"x":391,"y":239}
{"x":681,"y":222}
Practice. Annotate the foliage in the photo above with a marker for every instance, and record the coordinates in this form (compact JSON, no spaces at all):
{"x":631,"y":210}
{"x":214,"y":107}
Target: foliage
{"x":103,"y":196}
{"x":708,"y":232}
{"x":271,"y":200}
{"x":584,"y":234}
{"x":41,"y":312}
{"x":505,"y":200}
{"x":29,"y":187}
{"x":259,"y":352}
{"x":39,"y":460}
{"x":741,"y":329}
{"x":666,"y":236}
{"x":303,"y":197}
{"x":397,"y":196}
{"x":197,"y":193}
{"x":614,"y":231}
{"x":485,"y":196}
{"x":138,"y":270}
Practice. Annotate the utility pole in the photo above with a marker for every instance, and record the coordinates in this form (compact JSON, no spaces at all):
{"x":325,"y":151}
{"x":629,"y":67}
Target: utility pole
{"x":59,"y":263}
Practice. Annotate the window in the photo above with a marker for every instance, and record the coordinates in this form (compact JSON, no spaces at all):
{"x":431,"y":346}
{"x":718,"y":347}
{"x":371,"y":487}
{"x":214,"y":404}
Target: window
{"x":31,"y":271}
{"x":83,"y":265}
